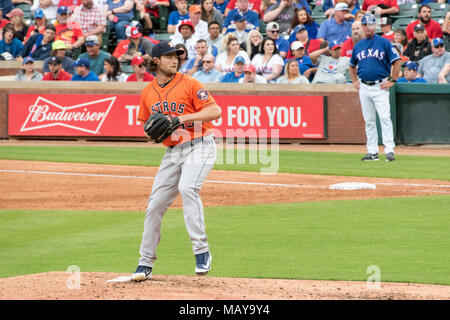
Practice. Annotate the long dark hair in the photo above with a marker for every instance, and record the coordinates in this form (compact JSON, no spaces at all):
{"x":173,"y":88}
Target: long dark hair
{"x":295,"y":22}
{"x":275,"y":50}
{"x":115,"y":68}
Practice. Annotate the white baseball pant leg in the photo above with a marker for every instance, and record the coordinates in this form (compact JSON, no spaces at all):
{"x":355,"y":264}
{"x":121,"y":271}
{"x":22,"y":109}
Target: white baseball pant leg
{"x":375,"y":100}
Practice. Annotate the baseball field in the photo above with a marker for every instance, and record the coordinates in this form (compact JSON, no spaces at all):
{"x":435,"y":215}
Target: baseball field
{"x":71,"y":219}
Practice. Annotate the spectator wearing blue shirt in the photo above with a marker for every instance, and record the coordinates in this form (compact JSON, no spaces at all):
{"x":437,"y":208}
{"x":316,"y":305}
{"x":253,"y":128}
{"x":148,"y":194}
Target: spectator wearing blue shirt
{"x":39,"y":46}
{"x":336,"y":29}
{"x":410,"y":74}
{"x":273,"y":32}
{"x":328,"y":6}
{"x":82,"y":71}
{"x":220,"y":5}
{"x":119,"y":14}
{"x":208,"y":73}
{"x":9,"y":44}
{"x":303,"y":20}
{"x":234,"y":76}
{"x":305,"y":64}
{"x":284,"y":12}
{"x":176,"y":16}
{"x":242,"y":8}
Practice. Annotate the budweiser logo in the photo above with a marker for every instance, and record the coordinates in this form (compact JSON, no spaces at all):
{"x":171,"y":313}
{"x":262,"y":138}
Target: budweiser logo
{"x":87,"y":117}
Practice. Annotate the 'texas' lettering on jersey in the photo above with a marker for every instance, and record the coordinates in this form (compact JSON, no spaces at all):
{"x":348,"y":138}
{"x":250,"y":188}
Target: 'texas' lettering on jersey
{"x":370,"y":53}
{"x":166,"y":106}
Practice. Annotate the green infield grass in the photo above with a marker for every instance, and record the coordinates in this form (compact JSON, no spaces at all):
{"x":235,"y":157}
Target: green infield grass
{"x":327,"y":163}
{"x":406,"y":238}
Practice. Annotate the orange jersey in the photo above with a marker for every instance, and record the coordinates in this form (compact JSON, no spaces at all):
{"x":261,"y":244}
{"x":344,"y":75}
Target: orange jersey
{"x":183,"y":95}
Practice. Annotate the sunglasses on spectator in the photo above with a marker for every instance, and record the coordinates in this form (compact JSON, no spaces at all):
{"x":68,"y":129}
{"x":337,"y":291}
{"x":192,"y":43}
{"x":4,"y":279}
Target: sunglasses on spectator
{"x":274,"y":31}
{"x":207,"y":61}
{"x":142,"y":65}
{"x":440,"y":45}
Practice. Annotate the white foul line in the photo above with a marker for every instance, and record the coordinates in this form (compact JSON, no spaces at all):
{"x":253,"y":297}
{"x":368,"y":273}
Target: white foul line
{"x":215,"y":181}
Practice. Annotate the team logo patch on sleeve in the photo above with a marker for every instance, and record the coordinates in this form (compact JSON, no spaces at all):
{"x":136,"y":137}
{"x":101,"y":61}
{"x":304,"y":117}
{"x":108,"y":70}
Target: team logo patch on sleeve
{"x":202,"y":94}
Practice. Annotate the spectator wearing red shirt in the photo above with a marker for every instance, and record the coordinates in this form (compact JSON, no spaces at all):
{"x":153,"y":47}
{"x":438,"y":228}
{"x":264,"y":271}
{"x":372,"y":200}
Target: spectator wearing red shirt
{"x":386,"y":28}
{"x":70,"y":35}
{"x":140,"y":70}
{"x":56,"y":73}
{"x":39,"y":26}
{"x":149,"y":11}
{"x":310,"y":45}
{"x":381,"y":7}
{"x":433,"y":28}
{"x":349,"y":44}
{"x":254,"y":5}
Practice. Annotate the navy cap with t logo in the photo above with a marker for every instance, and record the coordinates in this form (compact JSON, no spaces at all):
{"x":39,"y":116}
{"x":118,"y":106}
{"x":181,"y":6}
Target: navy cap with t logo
{"x":164,"y":48}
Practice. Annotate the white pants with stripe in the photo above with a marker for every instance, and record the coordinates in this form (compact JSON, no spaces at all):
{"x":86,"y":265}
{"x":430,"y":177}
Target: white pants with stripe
{"x":375,"y":100}
{"x":183,"y":170}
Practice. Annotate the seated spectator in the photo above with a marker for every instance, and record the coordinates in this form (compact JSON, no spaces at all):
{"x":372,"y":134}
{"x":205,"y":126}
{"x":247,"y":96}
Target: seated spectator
{"x":398,"y":48}
{"x":140,"y":71}
{"x":28,"y":72}
{"x":210,"y":14}
{"x":20,"y":27}
{"x":176,"y":16}
{"x":268,"y":63}
{"x":353,"y":5}
{"x":424,"y":18}
{"x":250,"y":75}
{"x":284,"y":12}
{"x":225,"y":60}
{"x":40,"y":22}
{"x":119,"y":14}
{"x":419,"y":46}
{"x":196,"y":63}
{"x":265,"y":4}
{"x":237,"y":73}
{"x":90,"y":18}
{"x":254,"y":43}
{"x":386,"y":28}
{"x":56,"y":71}
{"x":410,"y":74}
{"x":70,"y":35}
{"x":302,"y":18}
{"x":349,"y":44}
{"x":208,"y":73}
{"x":138,"y":46}
{"x":381,"y":8}
{"x":94,"y":55}
{"x":39,"y":46}
{"x":149,"y":13}
{"x":82,"y":71}
{"x":305,"y":65}
{"x":113,"y":73}
{"x":332,"y":67}
{"x":310,"y":45}
{"x":48,"y":7}
{"x":9,"y":44}
{"x":221,"y":5}
{"x":435,"y":68}
{"x":200,"y":26}
{"x":446,"y":31}
{"x":186,"y":36}
{"x":337,"y":28}
{"x":3,"y":22}
{"x":215,"y":38}
{"x":24,"y":5}
{"x":254,"y":5}
{"x":240,"y":29}
{"x":183,"y":58}
{"x":292,"y":74}
{"x":242,"y":7}
{"x":400,"y":37}
{"x":59,"y":50}
{"x":273,"y":32}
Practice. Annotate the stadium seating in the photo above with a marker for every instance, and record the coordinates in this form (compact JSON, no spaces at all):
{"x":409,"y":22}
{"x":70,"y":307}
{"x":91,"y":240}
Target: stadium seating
{"x":406,"y":10}
{"x":439,"y":9}
{"x":317,"y":12}
{"x":402,"y":23}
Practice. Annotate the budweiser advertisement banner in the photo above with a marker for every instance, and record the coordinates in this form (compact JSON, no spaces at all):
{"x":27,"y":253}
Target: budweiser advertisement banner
{"x":115,"y":116}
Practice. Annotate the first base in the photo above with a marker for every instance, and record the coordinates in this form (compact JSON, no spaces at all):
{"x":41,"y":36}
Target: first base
{"x":352,"y":186}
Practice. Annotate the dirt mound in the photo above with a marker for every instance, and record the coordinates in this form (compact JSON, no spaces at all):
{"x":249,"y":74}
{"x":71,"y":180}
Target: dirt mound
{"x":94,"y":286}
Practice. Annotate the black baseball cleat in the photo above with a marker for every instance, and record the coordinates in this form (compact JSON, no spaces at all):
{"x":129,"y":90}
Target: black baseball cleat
{"x":142,"y":273}
{"x":203,"y":263}
{"x":390,"y":156}
{"x":370,"y":157}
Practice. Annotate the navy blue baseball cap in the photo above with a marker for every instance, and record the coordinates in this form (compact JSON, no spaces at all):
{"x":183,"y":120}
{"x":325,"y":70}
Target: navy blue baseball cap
{"x":239,"y":17}
{"x":38,"y":13}
{"x":299,"y":28}
{"x":82,"y":63}
{"x":368,"y":19}
{"x":165,"y":47}
{"x":63,"y":9}
{"x":412,"y":66}
{"x":27,"y":59}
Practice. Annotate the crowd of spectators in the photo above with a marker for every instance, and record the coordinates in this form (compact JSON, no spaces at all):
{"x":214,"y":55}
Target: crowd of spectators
{"x":242,"y":41}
